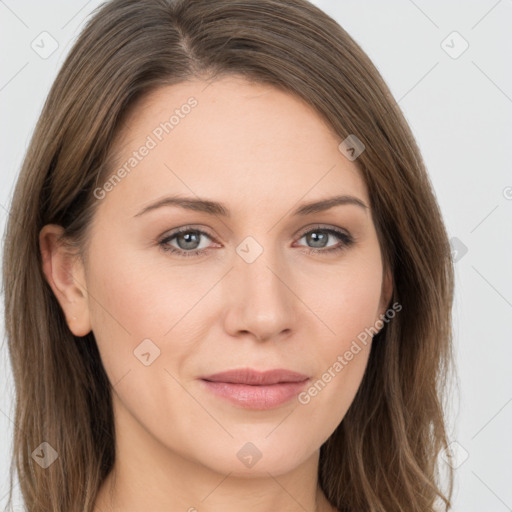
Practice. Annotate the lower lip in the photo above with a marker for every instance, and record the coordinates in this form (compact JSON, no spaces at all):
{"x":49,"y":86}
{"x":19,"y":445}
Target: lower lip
{"x":256,"y":397}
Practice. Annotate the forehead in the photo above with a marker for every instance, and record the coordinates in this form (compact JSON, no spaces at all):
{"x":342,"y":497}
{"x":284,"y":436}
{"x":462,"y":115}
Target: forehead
{"x":234,"y":140}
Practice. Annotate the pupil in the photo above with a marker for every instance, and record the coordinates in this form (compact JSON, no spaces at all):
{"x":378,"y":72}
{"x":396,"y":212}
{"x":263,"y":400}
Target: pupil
{"x":323,"y":236}
{"x":189,"y":242}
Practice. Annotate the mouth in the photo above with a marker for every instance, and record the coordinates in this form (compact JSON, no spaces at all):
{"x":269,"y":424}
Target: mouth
{"x":251,"y":389}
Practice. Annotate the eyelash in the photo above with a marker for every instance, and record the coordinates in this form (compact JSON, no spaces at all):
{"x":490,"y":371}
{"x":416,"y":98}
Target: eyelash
{"x":347,"y":241}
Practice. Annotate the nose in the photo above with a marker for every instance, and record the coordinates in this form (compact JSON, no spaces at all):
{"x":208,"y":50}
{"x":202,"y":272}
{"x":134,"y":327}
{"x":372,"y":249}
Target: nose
{"x":260,"y":300}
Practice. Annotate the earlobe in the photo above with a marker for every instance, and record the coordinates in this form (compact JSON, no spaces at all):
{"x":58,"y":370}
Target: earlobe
{"x":65,"y":274}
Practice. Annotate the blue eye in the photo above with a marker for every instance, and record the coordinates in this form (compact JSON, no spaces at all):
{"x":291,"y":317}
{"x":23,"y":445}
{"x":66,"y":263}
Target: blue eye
{"x":190,"y":237}
{"x":322,"y":234}
{"x":188,"y":240}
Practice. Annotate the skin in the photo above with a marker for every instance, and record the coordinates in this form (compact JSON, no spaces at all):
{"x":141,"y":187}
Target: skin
{"x":261,"y":152}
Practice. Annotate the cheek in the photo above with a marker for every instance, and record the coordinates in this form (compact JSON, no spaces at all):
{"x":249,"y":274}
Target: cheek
{"x":137,"y":296}
{"x":346,"y":298}
{"x":348,"y":305}
{"x":122,"y":303}
{"x":137,"y":291}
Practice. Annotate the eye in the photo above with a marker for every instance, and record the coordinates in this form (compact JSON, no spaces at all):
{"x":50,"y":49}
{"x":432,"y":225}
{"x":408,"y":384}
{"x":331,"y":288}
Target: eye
{"x":319,"y":237}
{"x":188,"y":241}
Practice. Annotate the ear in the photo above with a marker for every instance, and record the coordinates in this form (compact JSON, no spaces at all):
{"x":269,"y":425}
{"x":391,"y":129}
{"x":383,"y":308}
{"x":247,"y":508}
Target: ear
{"x":65,"y":274}
{"x":386,"y":292}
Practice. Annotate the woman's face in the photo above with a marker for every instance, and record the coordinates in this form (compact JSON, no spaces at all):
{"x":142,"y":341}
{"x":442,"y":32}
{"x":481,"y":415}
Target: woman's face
{"x":244,"y":287}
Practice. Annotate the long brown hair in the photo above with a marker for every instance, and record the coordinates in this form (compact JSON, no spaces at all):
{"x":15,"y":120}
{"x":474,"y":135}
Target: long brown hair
{"x":383,"y":455}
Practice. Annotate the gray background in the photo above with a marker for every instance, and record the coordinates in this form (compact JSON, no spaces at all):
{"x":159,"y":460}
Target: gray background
{"x":460,"y":110}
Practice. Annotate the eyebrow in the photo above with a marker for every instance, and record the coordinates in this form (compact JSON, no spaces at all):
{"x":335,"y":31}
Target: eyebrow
{"x":215,"y":208}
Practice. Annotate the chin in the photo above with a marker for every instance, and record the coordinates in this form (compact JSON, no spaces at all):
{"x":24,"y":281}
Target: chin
{"x":258,"y":459}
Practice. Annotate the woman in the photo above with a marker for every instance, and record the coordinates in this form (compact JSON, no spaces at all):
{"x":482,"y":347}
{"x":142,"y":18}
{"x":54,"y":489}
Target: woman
{"x":227,"y":279}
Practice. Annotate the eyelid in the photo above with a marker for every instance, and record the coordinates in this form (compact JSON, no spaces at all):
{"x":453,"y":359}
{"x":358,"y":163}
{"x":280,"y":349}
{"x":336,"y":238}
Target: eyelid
{"x":327,"y":227}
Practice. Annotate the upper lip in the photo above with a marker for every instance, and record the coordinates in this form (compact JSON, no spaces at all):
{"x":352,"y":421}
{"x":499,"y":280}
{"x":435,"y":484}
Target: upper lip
{"x":256,"y":378}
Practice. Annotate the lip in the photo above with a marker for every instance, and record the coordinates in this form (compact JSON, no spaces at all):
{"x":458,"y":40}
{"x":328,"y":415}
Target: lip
{"x":252,"y":389}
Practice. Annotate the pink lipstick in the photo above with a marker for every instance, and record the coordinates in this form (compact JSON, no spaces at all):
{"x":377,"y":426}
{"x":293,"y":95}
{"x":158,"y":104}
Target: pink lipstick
{"x":252,"y":389}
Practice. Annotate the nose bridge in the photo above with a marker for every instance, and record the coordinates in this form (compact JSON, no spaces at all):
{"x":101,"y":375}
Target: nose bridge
{"x":260,"y":300}
{"x":262,"y":278}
